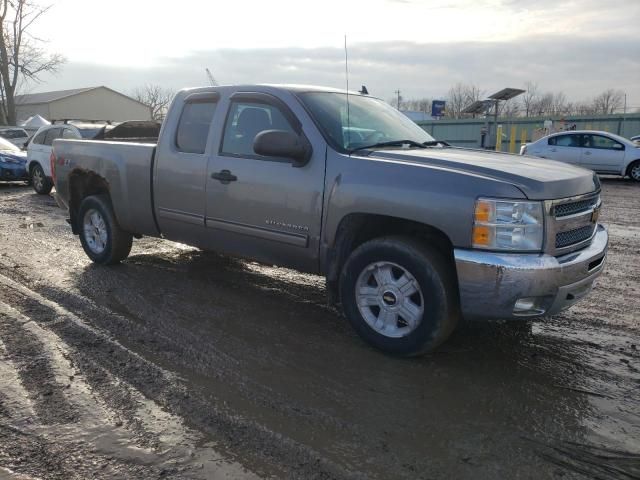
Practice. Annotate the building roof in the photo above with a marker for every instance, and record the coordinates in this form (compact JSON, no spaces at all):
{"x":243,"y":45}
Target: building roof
{"x":48,"y":97}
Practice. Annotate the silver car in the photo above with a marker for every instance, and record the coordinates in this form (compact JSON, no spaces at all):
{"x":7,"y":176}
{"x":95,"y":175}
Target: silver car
{"x":602,"y":152}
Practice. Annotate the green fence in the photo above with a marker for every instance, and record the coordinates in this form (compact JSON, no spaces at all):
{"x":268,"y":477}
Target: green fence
{"x":468,"y":133}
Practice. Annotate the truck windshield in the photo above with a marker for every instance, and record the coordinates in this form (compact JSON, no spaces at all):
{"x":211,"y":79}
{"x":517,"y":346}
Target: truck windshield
{"x":368,"y":121}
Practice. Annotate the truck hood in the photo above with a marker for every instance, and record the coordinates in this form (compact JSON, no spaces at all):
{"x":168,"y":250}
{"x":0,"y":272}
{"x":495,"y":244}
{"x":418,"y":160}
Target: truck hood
{"x":537,"y":178}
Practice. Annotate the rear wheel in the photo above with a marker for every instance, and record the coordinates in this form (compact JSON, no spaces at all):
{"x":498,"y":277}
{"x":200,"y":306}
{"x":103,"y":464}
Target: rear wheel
{"x":41,"y":184}
{"x":400,"y":295}
{"x":102,"y":239}
{"x":634,"y":171}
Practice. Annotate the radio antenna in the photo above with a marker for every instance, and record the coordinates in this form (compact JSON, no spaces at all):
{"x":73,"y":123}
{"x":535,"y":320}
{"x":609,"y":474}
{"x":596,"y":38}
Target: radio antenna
{"x":346,"y":71}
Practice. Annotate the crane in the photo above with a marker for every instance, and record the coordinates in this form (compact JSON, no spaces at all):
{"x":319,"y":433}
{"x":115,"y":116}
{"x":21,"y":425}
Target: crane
{"x":211,"y":79}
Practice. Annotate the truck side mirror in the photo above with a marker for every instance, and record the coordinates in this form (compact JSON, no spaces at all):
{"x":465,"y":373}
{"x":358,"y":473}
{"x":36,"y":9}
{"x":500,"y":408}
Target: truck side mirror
{"x":280,"y":143}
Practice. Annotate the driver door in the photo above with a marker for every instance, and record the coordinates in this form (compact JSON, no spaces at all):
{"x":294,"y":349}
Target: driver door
{"x":602,"y":154}
{"x":263,"y":207}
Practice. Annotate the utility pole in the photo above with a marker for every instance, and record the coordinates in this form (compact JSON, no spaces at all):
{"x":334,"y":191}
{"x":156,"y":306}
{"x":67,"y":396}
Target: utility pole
{"x":397,"y":92}
{"x":624,"y":116}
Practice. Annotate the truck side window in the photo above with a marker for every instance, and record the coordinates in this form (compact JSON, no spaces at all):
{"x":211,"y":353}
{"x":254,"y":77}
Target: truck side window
{"x":245,"y":121}
{"x":194,"y":126}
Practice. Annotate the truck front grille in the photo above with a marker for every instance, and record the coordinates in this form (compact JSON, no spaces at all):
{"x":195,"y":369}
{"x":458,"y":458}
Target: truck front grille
{"x":577,"y":235}
{"x":566,"y":209}
{"x":571,"y":223}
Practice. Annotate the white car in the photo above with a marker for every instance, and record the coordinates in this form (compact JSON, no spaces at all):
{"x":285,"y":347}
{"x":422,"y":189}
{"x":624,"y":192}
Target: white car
{"x":39,"y":151}
{"x":602,"y":152}
{"x":17,"y":136}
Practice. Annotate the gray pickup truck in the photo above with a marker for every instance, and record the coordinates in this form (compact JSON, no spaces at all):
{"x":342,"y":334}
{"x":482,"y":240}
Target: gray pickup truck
{"x":411,"y":234}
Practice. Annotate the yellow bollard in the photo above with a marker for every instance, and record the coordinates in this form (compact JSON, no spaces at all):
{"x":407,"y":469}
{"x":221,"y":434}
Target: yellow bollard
{"x":523,"y":137}
{"x":512,"y":140}
{"x":499,"y":138}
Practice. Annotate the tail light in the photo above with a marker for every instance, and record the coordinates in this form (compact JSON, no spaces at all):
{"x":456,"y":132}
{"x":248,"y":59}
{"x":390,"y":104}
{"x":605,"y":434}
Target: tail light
{"x":52,"y":161}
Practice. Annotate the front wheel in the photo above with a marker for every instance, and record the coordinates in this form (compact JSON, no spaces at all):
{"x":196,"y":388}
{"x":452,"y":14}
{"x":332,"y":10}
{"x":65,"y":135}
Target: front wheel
{"x":102,"y":239}
{"x":634,"y":171}
{"x":41,"y":184}
{"x":400,"y":295}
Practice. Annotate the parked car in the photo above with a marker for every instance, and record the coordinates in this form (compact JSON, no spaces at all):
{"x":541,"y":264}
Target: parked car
{"x":13,"y":162}
{"x":17,"y":136}
{"x":410,"y":234}
{"x":39,"y":150}
{"x":599,"y":151}
{"x":635,"y":139}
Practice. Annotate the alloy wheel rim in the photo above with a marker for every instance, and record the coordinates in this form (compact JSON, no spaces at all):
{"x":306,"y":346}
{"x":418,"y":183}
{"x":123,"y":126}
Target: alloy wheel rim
{"x":37,"y":179}
{"x":95,"y":231}
{"x":389,"y":299}
{"x":635,"y":172}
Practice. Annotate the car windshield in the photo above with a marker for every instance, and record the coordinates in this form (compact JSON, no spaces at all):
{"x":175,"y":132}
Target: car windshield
{"x":367,"y":121}
{"x":6,"y":145}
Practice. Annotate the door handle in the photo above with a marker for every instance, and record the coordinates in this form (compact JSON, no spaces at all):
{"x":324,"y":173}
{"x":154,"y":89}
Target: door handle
{"x":587,"y":153}
{"x":553,"y":150}
{"x":224,"y":176}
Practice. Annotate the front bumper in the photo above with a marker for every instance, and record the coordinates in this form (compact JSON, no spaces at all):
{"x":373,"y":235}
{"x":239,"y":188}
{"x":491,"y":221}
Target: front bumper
{"x":491,"y":283}
{"x":13,"y":172}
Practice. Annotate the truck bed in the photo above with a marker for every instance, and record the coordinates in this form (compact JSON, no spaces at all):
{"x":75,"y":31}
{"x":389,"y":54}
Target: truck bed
{"x":126,"y":167}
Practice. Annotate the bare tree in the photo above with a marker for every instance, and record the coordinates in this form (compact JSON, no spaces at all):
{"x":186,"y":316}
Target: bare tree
{"x":529,"y":98}
{"x":155,"y":97}
{"x":608,"y":102}
{"x":510,"y":108}
{"x":461,"y":96}
{"x":21,"y":56}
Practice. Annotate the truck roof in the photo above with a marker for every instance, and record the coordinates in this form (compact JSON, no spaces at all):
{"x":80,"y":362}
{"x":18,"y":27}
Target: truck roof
{"x":265,"y":87}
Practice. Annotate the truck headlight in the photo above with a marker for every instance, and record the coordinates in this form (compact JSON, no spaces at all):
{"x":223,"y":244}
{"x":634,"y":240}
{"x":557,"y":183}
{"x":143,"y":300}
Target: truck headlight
{"x":508,"y":225}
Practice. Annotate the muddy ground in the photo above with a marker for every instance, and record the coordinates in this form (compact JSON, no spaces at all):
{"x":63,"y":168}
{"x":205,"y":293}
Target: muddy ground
{"x":184,"y":364}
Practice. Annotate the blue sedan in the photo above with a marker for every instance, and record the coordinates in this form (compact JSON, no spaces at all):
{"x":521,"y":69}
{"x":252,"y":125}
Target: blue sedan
{"x":13,"y":162}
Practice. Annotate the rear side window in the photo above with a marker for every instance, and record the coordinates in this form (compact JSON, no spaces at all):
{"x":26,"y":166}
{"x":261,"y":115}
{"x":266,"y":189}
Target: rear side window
{"x":565,"y":141}
{"x":51,"y":135}
{"x":68,"y":133}
{"x":194,"y":126}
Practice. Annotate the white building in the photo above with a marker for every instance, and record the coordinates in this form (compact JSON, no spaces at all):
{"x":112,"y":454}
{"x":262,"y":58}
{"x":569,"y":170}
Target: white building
{"x":94,"y":103}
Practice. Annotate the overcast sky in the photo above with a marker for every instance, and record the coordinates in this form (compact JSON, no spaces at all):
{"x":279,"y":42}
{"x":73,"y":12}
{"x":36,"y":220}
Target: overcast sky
{"x":421,"y":47}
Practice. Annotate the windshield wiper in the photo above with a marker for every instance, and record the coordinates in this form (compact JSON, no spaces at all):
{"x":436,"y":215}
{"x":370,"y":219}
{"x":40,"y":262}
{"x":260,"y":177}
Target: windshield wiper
{"x":411,"y":143}
{"x":392,"y":143}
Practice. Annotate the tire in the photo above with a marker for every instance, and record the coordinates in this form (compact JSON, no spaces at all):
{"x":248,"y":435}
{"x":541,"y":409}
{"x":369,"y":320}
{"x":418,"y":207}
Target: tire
{"x":41,"y":184}
{"x":634,"y":171}
{"x":102,"y":239}
{"x":365,"y":280}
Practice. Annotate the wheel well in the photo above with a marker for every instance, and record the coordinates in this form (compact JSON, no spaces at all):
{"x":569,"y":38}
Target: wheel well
{"x":631,"y":164}
{"x":32,"y":165}
{"x":356,"y":229}
{"x":81,"y":185}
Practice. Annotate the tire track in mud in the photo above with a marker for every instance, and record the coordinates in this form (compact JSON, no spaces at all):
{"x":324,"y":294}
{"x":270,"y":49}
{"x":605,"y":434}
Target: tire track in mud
{"x":152,"y":444}
{"x":105,"y":380}
{"x":35,"y":370}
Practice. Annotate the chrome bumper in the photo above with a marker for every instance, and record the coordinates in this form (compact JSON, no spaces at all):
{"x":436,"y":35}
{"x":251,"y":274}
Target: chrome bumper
{"x":491,"y":283}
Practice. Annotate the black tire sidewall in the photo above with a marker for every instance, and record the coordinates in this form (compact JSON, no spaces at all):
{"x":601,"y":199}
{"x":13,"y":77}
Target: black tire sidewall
{"x":427,"y":270}
{"x":631,"y":166}
{"x":46,"y":184}
{"x":94,"y":203}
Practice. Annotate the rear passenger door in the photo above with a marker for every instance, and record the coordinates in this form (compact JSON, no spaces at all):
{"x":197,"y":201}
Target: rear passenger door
{"x":564,"y":148}
{"x":180,"y":177}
